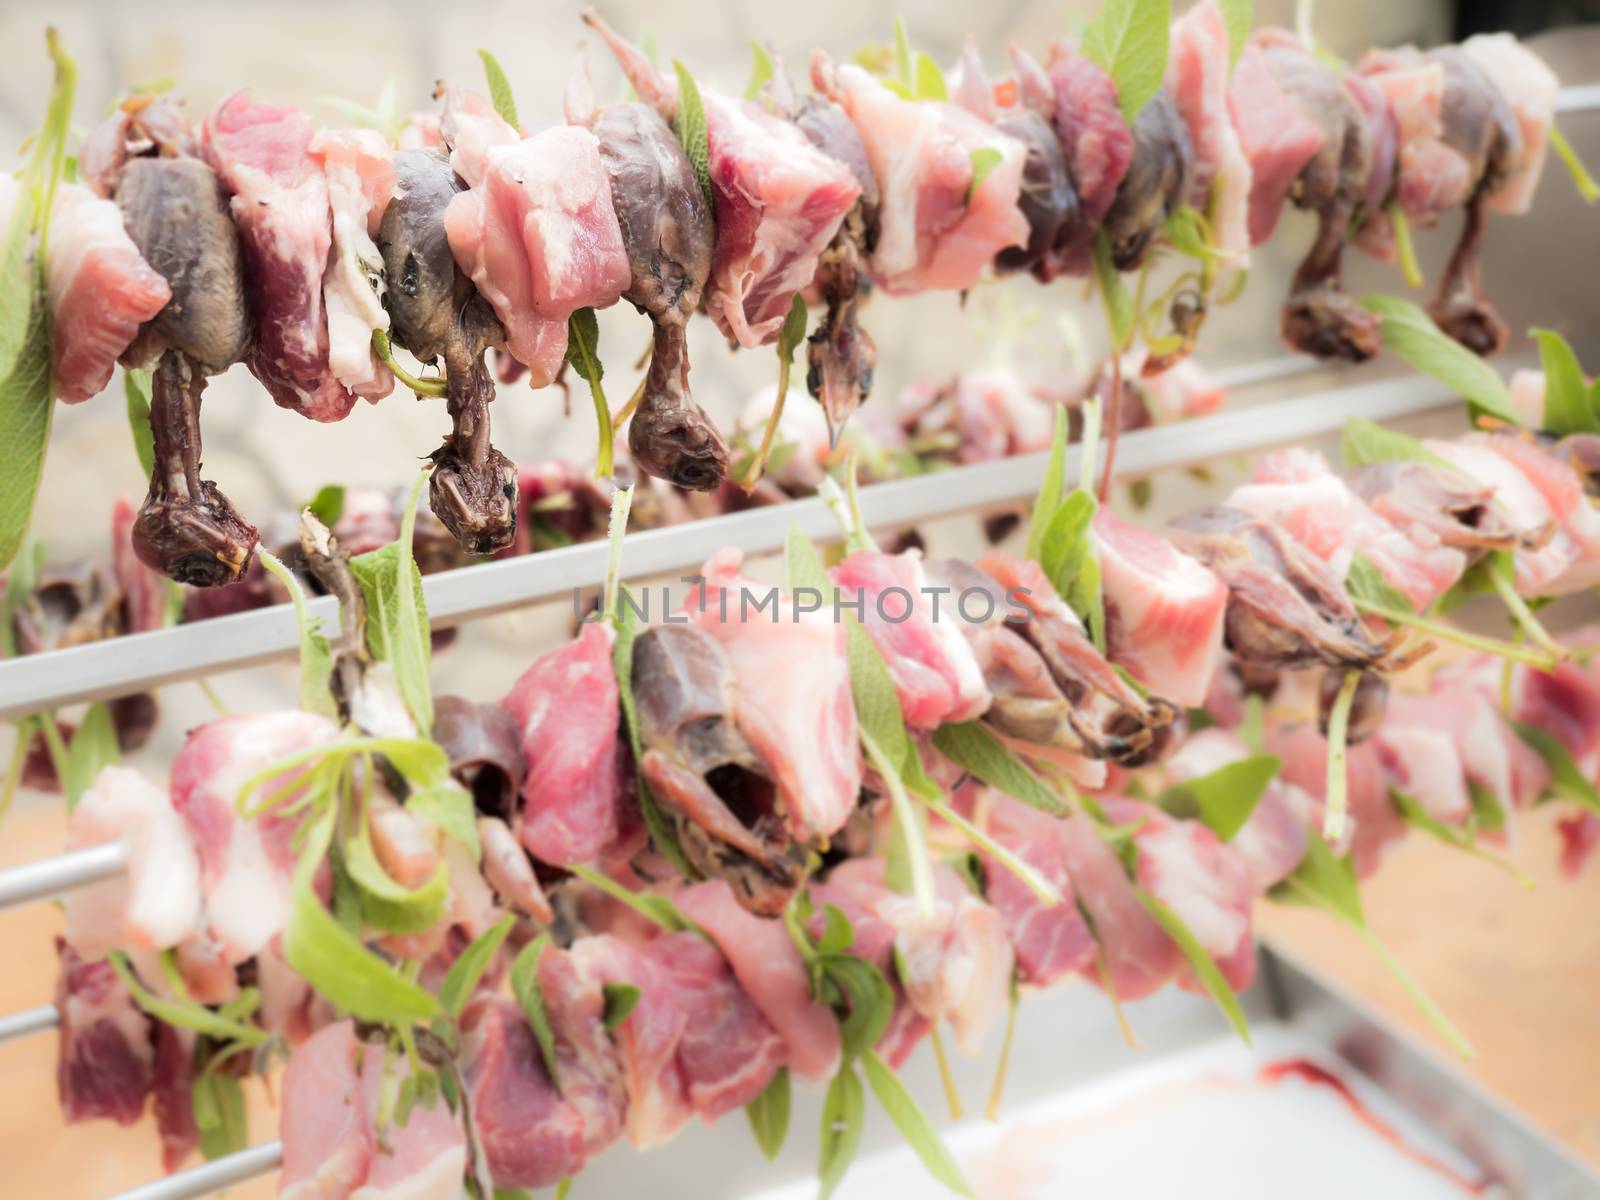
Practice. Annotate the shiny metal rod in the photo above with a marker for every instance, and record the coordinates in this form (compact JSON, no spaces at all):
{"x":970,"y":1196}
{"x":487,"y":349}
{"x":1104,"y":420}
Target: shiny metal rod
{"x":28,"y":1021}
{"x":49,"y":877}
{"x":211,"y":1177}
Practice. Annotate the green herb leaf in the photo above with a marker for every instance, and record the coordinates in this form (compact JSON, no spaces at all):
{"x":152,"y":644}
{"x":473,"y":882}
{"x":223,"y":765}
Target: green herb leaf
{"x":620,"y":1001}
{"x":930,"y":84}
{"x":844,"y":1111}
{"x":1239,"y":17}
{"x":397,"y":614}
{"x":1226,"y":797}
{"x":913,"y":1125}
{"x":1404,"y":250}
{"x":499,"y":90}
{"x":1324,"y":881}
{"x":461,"y":980}
{"x":769,"y":1114}
{"x":525,"y":987}
{"x":449,"y":806}
{"x":690,"y":126}
{"x":328,"y":504}
{"x":1566,"y":780}
{"x":984,"y":159}
{"x":1204,"y":966}
{"x":1071,"y":562}
{"x":1367,"y":585}
{"x":1581,"y":179}
{"x":1128,"y":38}
{"x":1051,"y":487}
{"x":437,"y":388}
{"x":316,"y":657}
{"x":762,"y":70}
{"x":136,"y":391}
{"x":977,"y":751}
{"x":870,"y":1000}
{"x":1363,"y":442}
{"x":904,"y":65}
{"x":333,"y":960}
{"x":650,"y":905}
{"x":583,"y":352}
{"x":184,"y":1014}
{"x":1113,"y":291}
{"x":1568,"y":405}
{"x":1457,"y":837}
{"x":385,"y":903}
{"x":27,"y":403}
{"x":1411,"y":333}
{"x":17,"y":282}
{"x":837,"y":933}
{"x":94,"y":747}
{"x":219,"y":1114}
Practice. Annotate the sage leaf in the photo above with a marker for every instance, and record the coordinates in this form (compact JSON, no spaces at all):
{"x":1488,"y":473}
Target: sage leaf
{"x":525,"y":987}
{"x":93,"y":748}
{"x":1239,"y":18}
{"x":1581,"y":179}
{"x":27,"y":404}
{"x":387,"y":904}
{"x":769,"y":1114}
{"x":1411,"y":333}
{"x":219,"y":1114}
{"x":1114,"y":293}
{"x":1568,"y":405}
{"x":843,"y":1117}
{"x":1455,"y":836}
{"x":762,"y":70}
{"x":1224,"y":798}
{"x":316,"y":656}
{"x":1567,"y":781}
{"x":499,"y":90}
{"x":328,"y":504}
{"x":690,"y":125}
{"x":397,"y":614}
{"x":650,"y":905}
{"x":1369,"y":587}
{"x":930,"y":84}
{"x":1363,"y":442}
{"x":1050,"y":489}
{"x":449,"y":806}
{"x":977,"y":751}
{"x":1204,"y":966}
{"x":136,"y":391}
{"x":620,"y":1001}
{"x":1128,"y":39}
{"x":909,"y":1119}
{"x":583,"y":352}
{"x":461,"y":980}
{"x":184,"y":1014}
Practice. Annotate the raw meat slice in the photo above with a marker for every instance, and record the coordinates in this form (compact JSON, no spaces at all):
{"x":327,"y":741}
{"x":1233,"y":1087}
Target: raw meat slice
{"x":539,"y":237}
{"x":794,"y":687}
{"x":104,"y":1064}
{"x":261,"y":152}
{"x":155,"y":903}
{"x":932,"y":234}
{"x":1564,"y":490}
{"x":935,"y":672}
{"x":589,"y":1072}
{"x":424,"y":1159}
{"x":1198,"y":65}
{"x":566,"y":707}
{"x":327,"y":1138}
{"x":100,"y":291}
{"x":769,"y":969}
{"x":172,"y":1094}
{"x":1050,"y":941}
{"x":531,"y":1136}
{"x":1278,"y":139}
{"x":1164,"y":611}
{"x":1373,"y":823}
{"x":1529,"y":87}
{"x":729,"y":1051}
{"x":359,"y":168}
{"x":245,"y":865}
{"x":1097,"y":141}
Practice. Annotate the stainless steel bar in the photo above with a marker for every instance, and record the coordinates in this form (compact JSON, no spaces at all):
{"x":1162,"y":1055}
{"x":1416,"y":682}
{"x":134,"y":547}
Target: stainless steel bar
{"x":1578,"y":99}
{"x":103,"y":670}
{"x":211,"y":1177}
{"x":49,"y":877}
{"x":29,"y":1020}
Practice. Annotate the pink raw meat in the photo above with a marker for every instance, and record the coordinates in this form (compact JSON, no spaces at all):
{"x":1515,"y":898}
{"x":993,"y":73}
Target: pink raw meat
{"x":1272,"y":840}
{"x":1198,"y":64}
{"x":539,"y":237}
{"x":932,"y":234}
{"x":327,"y":1140}
{"x":1190,"y":870}
{"x":1139,"y":957}
{"x":104,"y":1060}
{"x":935,"y":672}
{"x":768,"y":968}
{"x":155,"y":903}
{"x":262,"y":154}
{"x":100,"y":291}
{"x":1374,"y":823}
{"x":1529,"y":87}
{"x":794,"y":687}
{"x":172,"y":1094}
{"x":359,"y":168}
{"x":425,"y":1158}
{"x":1296,"y":489}
{"x":1432,"y":176}
{"x":532,"y":1137}
{"x":1050,"y":940}
{"x":1097,"y":141}
{"x":1565,"y":492}
{"x":647,"y":1041}
{"x":245,"y":866}
{"x":1164,"y":611}
{"x":586,"y":1061}
{"x":779,"y":202}
{"x":998,"y":416}
{"x":1277,"y":138}
{"x":729,"y":1051}
{"x":566,"y":706}
{"x":1580,"y":834}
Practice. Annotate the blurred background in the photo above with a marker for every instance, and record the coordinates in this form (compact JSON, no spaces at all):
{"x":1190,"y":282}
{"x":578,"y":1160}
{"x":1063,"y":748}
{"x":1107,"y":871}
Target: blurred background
{"x":1519,"y":971}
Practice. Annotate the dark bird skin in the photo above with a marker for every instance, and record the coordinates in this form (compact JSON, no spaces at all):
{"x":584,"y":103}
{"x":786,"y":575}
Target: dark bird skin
{"x":704,"y":772}
{"x":1159,"y":179}
{"x":437,"y":314}
{"x":484,"y":747}
{"x":670,"y":436}
{"x":176,"y":212}
{"x":1048,"y":199}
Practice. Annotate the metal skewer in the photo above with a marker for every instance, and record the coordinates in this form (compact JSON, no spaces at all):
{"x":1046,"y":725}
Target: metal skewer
{"x":212,"y":1176}
{"x":29,"y":1020}
{"x":49,"y":877}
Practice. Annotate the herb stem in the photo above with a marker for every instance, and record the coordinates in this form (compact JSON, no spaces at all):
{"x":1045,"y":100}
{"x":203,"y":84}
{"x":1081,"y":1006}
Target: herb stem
{"x":1458,"y":1041}
{"x":997,"y":1089}
{"x":1587,"y":187}
{"x":1337,"y":803}
{"x":620,"y":417}
{"x":1404,"y":250}
{"x":1526,"y":621}
{"x":1449,"y":633}
{"x":758,"y":461}
{"x":916,"y":848}
{"x":1110,"y":989}
{"x":434,"y":388}
{"x":1030,"y":878}
{"x":952,"y":1098}
{"x":621,"y":504}
{"x":19,"y":758}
